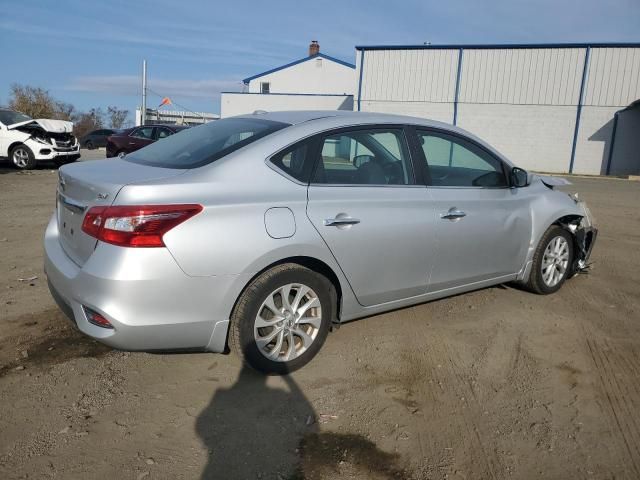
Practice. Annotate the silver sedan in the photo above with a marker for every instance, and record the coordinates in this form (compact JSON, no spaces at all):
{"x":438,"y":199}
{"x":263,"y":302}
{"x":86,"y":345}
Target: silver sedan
{"x":260,"y":233}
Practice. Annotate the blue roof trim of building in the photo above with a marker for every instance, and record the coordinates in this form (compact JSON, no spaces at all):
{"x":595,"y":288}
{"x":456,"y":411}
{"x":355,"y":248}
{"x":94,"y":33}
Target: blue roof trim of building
{"x":319,"y":55}
{"x":295,"y":94}
{"x":499,"y":46}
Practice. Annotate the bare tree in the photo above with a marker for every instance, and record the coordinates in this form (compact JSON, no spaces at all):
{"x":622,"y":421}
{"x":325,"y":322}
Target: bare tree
{"x":33,"y":101}
{"x":39,"y":103}
{"x":86,"y":122}
{"x":117,"y":117}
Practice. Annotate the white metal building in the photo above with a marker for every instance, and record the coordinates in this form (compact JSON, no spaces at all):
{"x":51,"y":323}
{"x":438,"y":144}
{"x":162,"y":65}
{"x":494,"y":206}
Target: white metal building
{"x":315,"y":82}
{"x":175,"y":117}
{"x":552,"y":108}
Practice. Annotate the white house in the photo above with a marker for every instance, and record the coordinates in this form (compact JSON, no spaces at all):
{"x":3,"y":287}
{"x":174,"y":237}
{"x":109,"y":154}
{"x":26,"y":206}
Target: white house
{"x":315,"y":82}
{"x":549,"y":107}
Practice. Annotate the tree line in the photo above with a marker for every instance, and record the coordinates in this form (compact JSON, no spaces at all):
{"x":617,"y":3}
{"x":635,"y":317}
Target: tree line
{"x":39,"y":103}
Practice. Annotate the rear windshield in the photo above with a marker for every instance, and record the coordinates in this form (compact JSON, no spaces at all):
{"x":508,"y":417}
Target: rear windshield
{"x":198,"y":146}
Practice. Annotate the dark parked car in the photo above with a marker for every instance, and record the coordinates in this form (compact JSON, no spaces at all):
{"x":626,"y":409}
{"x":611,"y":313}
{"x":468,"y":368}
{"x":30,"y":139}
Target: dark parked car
{"x":96,"y":139}
{"x":132,"y":139}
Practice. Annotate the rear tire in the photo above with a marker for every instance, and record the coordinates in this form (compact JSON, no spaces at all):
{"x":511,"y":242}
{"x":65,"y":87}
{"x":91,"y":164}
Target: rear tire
{"x":89,"y":145}
{"x":282,"y":319}
{"x":552,"y":262}
{"x":22,"y":157}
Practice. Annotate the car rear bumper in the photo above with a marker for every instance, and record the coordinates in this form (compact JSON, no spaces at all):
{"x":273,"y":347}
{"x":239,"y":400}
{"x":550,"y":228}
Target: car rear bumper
{"x":151,"y":303}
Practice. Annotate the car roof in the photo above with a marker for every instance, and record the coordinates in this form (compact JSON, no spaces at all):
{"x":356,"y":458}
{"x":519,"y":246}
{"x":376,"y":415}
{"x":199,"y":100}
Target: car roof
{"x":295,"y":117}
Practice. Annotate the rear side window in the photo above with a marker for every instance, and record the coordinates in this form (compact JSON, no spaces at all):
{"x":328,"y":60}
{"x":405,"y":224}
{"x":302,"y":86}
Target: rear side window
{"x":295,"y":161}
{"x":198,"y":146}
{"x":164,"y":132}
{"x":143,"y":132}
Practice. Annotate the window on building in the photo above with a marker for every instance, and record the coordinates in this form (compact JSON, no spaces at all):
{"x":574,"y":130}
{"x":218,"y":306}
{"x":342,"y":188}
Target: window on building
{"x":264,"y":87}
{"x":365,"y":157}
{"x":454,"y":162}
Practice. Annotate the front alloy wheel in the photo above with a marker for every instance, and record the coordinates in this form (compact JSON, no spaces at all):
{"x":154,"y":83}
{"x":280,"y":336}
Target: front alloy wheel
{"x":552,"y":261}
{"x":555,"y":261}
{"x":22,"y":157}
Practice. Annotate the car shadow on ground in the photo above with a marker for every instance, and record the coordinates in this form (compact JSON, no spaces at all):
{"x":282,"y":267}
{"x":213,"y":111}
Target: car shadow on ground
{"x":7,"y":167}
{"x":253,"y":430}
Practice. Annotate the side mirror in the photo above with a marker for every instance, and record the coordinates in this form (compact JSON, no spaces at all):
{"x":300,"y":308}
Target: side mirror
{"x":519,"y":177}
{"x":360,"y":160}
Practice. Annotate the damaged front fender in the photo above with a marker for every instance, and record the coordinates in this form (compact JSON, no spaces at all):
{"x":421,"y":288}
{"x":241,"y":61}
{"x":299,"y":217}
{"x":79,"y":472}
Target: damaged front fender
{"x":584,"y":237}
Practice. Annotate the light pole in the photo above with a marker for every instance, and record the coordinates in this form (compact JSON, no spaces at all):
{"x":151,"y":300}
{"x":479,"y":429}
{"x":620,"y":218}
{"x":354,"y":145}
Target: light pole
{"x":143,"y":113}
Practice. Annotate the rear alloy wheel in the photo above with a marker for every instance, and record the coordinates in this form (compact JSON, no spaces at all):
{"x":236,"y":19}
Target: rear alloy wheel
{"x":552,"y":261}
{"x":22,"y":157}
{"x":89,"y":145}
{"x":282,"y":319}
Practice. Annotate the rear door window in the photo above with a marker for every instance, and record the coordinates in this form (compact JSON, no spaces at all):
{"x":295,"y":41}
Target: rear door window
{"x":163,"y":132}
{"x":143,"y":132}
{"x":376,"y":156}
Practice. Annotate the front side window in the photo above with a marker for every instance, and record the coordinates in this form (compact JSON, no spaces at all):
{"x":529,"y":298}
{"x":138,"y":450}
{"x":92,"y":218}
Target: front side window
{"x":455,"y":162}
{"x":265,"y":87}
{"x":365,"y":157}
{"x":201,"y":145}
{"x":143,"y":132}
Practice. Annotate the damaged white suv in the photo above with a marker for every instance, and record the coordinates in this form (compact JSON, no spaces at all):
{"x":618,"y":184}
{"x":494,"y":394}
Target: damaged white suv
{"x":26,"y":141}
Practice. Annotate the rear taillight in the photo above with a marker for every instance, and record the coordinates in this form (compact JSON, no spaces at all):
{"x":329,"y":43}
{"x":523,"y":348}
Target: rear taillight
{"x":136,"y":226}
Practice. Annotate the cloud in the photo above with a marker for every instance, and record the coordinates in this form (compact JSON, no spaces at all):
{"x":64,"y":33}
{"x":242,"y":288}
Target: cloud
{"x":130,"y":85}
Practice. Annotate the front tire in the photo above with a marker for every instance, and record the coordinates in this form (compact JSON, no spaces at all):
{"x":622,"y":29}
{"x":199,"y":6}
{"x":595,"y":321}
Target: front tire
{"x":22,"y":157}
{"x":282,"y":319}
{"x":552,"y":262}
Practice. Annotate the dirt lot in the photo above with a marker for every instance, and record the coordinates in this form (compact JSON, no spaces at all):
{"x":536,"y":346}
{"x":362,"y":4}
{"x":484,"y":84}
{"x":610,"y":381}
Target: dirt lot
{"x":494,"y":384}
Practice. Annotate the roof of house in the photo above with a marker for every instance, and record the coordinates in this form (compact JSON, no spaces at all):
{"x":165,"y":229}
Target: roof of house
{"x":318,"y":55}
{"x":494,"y":46}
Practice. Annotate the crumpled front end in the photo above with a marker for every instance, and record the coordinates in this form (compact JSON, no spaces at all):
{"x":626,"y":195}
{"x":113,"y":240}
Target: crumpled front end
{"x":584,"y":236}
{"x":49,"y":144}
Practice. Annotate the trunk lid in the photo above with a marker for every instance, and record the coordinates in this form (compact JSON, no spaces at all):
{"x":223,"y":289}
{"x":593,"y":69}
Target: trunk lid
{"x":97,"y":183}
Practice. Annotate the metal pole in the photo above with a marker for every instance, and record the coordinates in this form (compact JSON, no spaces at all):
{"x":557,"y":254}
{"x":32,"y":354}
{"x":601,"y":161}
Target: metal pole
{"x":585,"y":70}
{"x":457,"y":93}
{"x":143,"y":113}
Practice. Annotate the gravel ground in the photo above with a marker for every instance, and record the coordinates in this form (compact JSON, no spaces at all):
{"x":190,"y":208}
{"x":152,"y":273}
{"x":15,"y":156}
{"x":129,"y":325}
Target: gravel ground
{"x":497,"y":383}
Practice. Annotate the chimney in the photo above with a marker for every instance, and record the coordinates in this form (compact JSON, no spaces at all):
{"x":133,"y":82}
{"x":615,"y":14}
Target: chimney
{"x":314,"y":48}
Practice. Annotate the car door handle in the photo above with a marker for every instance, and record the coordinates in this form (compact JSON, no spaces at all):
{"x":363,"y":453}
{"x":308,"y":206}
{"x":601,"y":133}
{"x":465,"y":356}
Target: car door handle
{"x":453,"y":214}
{"x":340,"y":221}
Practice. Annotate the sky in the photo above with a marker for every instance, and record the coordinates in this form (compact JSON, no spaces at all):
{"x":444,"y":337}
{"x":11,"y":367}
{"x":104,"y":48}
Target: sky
{"x":89,"y":53}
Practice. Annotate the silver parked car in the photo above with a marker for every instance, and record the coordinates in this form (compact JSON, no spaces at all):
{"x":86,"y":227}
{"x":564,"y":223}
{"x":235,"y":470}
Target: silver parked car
{"x":262,"y":231}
